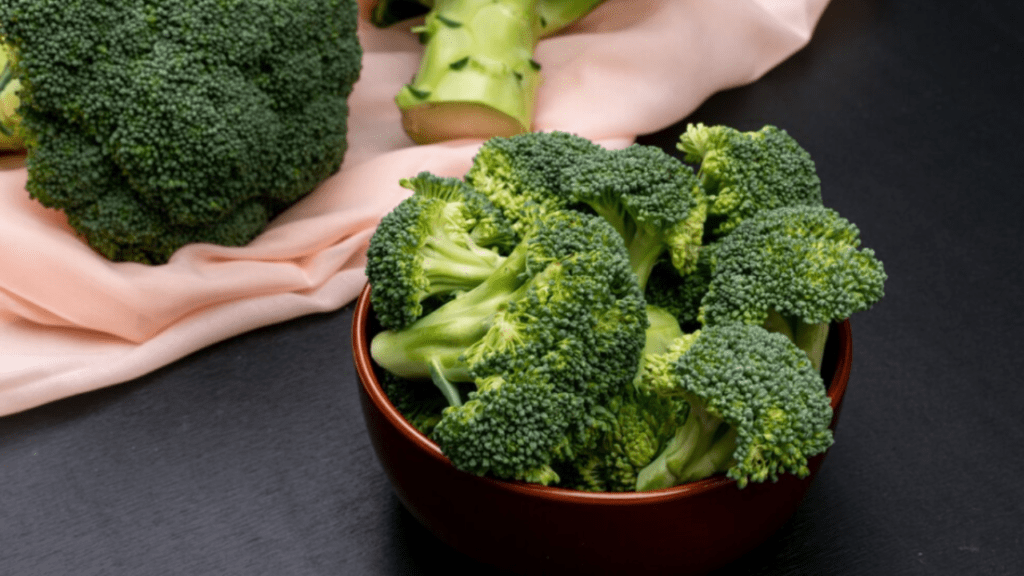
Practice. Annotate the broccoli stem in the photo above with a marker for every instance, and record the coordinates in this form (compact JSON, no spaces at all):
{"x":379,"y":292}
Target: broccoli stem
{"x":434,"y":345}
{"x":453,"y":266}
{"x":702,"y":446}
{"x":477,"y":77}
{"x":809,"y":337}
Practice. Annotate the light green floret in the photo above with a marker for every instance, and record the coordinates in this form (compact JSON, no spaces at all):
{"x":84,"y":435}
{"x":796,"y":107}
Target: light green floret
{"x":793,"y":270}
{"x":757,"y":409}
{"x":477,"y":77}
{"x":553,"y":332}
{"x":442,"y":240}
{"x":746,"y":172}
{"x":524,"y":175}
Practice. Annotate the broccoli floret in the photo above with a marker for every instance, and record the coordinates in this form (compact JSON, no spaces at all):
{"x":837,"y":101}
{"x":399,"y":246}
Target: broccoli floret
{"x":442,"y":240}
{"x":156,"y":123}
{"x":793,"y":270}
{"x":652,"y":198}
{"x":627,"y":432}
{"x":524,"y":175}
{"x":757,"y":409}
{"x":552,"y":333}
{"x":477,"y":76}
{"x":746,"y":172}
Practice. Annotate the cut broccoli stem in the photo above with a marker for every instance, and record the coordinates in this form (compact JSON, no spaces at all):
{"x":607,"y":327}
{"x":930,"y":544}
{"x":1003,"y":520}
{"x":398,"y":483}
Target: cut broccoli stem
{"x":491,"y":89}
{"x":452,"y":266}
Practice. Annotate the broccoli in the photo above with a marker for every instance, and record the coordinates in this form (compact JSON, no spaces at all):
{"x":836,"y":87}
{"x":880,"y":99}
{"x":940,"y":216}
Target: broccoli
{"x":746,"y":172}
{"x":653,"y":200}
{"x":757,"y":408}
{"x":632,"y":427}
{"x":525,"y":174}
{"x":793,"y":270}
{"x":157,"y":123}
{"x":553,"y":332}
{"x":477,"y":77}
{"x":10,"y":121}
{"x":444,"y":239}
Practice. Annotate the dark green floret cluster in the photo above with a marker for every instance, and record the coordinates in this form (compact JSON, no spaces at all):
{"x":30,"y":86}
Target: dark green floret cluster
{"x":582,"y":317}
{"x":157,"y":123}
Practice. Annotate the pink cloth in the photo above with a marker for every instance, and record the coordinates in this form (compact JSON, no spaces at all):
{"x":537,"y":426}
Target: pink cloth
{"x":71,"y":321}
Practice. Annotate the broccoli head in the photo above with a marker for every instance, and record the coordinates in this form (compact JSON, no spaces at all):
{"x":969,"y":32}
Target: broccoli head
{"x":746,"y":172}
{"x":442,"y":240}
{"x":757,"y":409}
{"x":10,"y":121}
{"x":156,"y":123}
{"x":793,"y":270}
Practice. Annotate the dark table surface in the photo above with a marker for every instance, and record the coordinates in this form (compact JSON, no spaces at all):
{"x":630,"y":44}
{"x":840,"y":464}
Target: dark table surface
{"x":251,"y":457}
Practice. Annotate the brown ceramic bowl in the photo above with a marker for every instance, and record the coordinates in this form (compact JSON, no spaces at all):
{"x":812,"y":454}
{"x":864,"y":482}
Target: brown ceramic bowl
{"x":527,"y":528}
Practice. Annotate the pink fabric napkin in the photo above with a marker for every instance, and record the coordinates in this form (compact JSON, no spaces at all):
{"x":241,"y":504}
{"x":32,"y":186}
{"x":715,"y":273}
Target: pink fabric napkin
{"x":71,"y":321}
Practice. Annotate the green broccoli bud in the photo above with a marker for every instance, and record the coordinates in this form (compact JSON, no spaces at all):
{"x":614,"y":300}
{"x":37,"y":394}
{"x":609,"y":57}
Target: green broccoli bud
{"x":757,"y":409}
{"x":793,"y":270}
{"x":746,"y":172}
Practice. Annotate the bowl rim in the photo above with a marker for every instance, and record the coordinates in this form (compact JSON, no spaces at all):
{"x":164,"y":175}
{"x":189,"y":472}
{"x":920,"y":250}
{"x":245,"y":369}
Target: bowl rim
{"x":836,"y":389}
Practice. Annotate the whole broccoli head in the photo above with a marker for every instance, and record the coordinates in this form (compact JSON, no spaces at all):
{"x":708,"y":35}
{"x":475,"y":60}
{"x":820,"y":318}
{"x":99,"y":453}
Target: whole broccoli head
{"x":757,"y":409}
{"x":156,"y":123}
{"x":746,"y":172}
{"x":793,"y":270}
{"x":443,"y":240}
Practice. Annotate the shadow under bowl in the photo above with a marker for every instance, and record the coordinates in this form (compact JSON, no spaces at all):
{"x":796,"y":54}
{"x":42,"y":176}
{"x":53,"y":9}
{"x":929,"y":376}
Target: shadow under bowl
{"x":532,"y":529}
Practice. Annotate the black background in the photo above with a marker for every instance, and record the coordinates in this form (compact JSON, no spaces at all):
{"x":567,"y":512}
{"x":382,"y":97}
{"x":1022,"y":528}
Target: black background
{"x":250,"y":456}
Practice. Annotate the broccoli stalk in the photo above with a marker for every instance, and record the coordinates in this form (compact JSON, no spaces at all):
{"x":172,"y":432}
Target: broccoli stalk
{"x":477,"y":77}
{"x":757,"y":408}
{"x":10,"y":120}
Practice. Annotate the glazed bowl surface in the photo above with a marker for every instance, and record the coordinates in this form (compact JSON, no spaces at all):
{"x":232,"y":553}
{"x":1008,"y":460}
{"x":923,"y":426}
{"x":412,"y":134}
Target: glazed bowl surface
{"x":532,"y":529}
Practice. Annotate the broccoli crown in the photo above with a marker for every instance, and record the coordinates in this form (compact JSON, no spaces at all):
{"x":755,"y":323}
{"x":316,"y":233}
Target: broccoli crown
{"x":523,"y":174}
{"x":155,"y":123}
{"x":442,"y":240}
{"x":552,"y":333}
{"x":757,"y":407}
{"x":746,"y":172}
{"x":802,"y":262}
{"x":510,"y":427}
{"x":652,"y":198}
